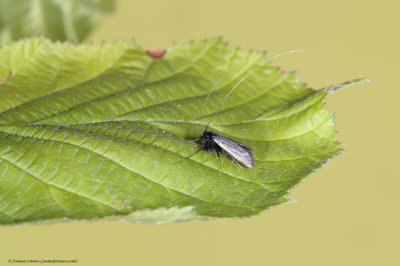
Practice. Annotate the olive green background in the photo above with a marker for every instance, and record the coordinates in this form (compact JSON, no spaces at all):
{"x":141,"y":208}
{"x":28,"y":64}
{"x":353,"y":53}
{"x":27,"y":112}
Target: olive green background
{"x":347,"y":213}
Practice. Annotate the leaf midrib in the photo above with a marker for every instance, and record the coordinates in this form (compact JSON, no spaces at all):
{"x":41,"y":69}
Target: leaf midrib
{"x":130,"y":170}
{"x":55,"y":185}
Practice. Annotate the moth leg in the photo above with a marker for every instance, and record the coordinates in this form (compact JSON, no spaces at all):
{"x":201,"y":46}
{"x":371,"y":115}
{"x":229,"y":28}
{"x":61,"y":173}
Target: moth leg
{"x":194,"y":153}
{"x":189,"y":156}
{"x":189,"y":141}
{"x":215,"y":158}
{"x":219,"y":159}
{"x":214,"y":148}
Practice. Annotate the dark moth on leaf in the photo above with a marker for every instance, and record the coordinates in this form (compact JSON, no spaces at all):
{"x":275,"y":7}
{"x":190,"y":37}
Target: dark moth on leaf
{"x":239,"y":152}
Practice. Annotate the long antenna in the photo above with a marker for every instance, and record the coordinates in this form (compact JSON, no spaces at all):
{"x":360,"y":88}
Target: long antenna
{"x":215,"y":86}
{"x":242,"y":79}
{"x":208,"y":96}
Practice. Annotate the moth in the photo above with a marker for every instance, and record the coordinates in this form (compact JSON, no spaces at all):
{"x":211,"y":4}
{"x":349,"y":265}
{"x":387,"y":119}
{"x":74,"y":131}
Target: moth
{"x":213,"y":142}
{"x":239,"y":152}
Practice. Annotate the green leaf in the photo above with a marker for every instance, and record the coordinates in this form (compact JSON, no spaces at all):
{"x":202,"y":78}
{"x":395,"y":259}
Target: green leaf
{"x":101,"y":131}
{"x":56,"y":19}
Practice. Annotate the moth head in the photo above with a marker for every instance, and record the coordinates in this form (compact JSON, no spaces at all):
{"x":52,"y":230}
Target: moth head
{"x":206,"y":137}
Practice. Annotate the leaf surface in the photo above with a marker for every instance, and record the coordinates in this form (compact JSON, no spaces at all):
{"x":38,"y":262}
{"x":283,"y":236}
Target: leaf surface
{"x":101,"y":131}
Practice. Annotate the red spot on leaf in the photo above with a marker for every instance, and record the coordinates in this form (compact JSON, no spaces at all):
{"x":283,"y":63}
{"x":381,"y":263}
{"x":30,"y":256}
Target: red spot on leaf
{"x":123,"y":204}
{"x":157,"y":53}
{"x":4,"y":79}
{"x":283,"y":72}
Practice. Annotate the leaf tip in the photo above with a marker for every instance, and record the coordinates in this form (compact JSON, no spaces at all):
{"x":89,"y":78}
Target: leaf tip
{"x":336,"y":87}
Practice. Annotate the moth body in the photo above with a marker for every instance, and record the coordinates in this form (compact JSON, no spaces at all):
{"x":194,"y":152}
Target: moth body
{"x":219,"y":144}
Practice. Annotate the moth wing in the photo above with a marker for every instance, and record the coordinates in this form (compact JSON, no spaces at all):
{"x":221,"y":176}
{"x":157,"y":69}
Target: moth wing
{"x":245,"y":146}
{"x":239,"y":151}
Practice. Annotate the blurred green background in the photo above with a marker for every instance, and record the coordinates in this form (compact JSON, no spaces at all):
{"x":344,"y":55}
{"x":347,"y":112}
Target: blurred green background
{"x":347,"y":213}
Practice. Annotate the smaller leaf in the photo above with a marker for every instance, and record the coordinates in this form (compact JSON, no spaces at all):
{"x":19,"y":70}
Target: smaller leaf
{"x":58,"y":20}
